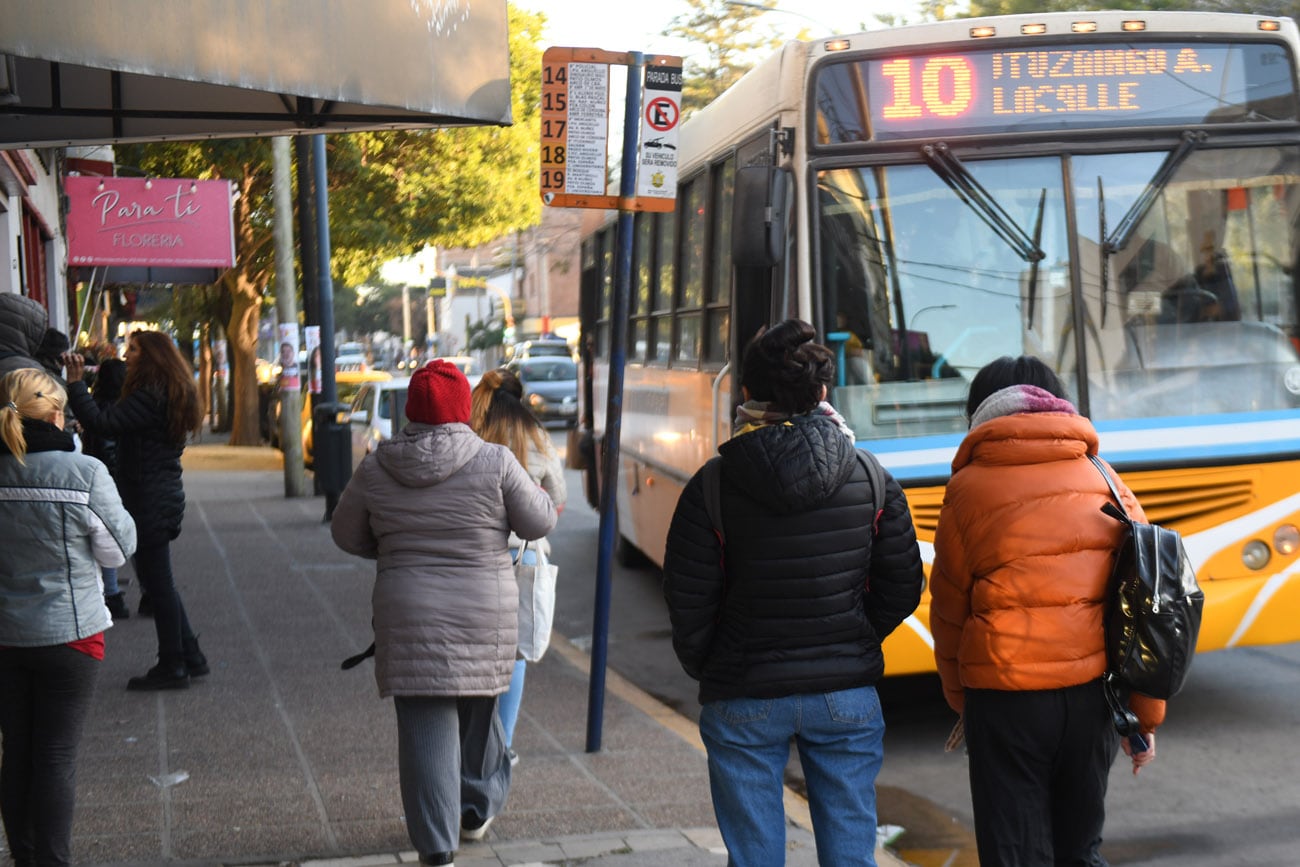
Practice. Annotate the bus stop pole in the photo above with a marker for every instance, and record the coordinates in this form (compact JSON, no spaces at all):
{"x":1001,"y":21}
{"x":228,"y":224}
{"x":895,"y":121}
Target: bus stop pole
{"x":614,"y":403}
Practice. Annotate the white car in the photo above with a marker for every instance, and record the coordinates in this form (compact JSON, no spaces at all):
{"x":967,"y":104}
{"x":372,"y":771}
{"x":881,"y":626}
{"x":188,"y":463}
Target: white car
{"x":373,"y":411}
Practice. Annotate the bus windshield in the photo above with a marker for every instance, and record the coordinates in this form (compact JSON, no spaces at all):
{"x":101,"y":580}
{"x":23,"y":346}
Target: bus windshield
{"x":1192,"y":312}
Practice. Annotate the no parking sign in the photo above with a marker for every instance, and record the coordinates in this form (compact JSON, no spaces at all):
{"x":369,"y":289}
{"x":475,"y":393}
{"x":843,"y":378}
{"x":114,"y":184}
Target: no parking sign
{"x":660,"y":119}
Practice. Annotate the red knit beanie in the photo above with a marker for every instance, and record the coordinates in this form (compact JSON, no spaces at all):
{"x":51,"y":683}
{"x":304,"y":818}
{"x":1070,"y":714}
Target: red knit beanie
{"x":438,"y":394}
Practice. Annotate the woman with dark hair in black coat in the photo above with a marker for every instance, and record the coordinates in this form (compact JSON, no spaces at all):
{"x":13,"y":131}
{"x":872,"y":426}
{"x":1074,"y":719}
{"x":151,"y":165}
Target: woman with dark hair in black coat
{"x":784,"y":631}
{"x":159,"y":409}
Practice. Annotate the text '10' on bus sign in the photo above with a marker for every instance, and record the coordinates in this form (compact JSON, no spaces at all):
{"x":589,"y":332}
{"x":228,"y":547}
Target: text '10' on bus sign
{"x":575,"y":130}
{"x":1064,"y":86}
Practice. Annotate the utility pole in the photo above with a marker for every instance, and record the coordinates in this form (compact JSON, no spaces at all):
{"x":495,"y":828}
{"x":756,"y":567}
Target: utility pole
{"x":287,"y":308}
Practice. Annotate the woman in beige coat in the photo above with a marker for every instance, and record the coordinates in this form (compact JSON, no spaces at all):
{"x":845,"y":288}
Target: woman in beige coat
{"x":435,"y":506}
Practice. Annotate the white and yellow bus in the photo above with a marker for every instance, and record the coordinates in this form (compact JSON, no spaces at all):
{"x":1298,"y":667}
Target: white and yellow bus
{"x":1116,"y":193}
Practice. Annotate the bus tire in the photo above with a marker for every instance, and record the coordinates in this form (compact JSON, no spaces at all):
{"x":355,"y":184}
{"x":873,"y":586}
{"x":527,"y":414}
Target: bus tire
{"x":627,"y":555}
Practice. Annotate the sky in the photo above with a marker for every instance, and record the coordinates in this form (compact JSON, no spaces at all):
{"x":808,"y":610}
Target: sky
{"x":615,"y":25}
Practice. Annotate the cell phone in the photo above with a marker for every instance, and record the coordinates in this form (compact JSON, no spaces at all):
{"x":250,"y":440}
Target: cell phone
{"x":1138,"y":744}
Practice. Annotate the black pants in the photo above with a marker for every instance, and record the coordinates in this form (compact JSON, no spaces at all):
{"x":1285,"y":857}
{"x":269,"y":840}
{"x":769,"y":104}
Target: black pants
{"x":153,"y":566}
{"x":45,"y":695}
{"x":1039,"y":765}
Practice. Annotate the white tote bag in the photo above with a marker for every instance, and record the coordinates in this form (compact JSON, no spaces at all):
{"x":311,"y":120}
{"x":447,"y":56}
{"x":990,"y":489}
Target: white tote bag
{"x":536,"y":602}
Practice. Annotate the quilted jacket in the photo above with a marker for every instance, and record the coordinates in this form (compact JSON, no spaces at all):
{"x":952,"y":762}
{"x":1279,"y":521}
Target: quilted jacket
{"x":63,"y":520}
{"x":148,"y":470}
{"x":22,"y":325}
{"x":1022,"y":558}
{"x":434,"y":506}
{"x":804,"y":592}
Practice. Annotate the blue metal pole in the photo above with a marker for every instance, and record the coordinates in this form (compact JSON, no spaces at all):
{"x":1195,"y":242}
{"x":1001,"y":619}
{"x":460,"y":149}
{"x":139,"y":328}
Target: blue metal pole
{"x":614,"y":406}
{"x":328,"y":388}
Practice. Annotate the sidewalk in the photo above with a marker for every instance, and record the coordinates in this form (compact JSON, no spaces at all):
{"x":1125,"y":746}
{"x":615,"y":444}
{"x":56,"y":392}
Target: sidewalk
{"x":279,"y":757}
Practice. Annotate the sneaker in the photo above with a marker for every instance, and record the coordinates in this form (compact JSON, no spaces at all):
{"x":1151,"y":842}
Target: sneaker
{"x":514,"y":757}
{"x":471,"y":831}
{"x":439,"y":859}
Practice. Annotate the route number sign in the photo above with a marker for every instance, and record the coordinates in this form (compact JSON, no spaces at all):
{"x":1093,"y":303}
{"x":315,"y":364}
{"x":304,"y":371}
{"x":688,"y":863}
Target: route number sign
{"x":575,"y":127}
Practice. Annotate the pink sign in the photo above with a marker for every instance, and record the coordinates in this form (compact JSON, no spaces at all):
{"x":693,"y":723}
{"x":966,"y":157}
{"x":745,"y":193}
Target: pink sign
{"x":155,"y":222}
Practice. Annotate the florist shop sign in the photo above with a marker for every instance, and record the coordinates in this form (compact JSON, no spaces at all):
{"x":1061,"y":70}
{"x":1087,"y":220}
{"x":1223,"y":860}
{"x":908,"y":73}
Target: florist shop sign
{"x":152,"y":222}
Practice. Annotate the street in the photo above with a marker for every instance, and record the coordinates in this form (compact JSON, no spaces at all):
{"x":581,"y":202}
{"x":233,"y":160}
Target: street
{"x":1223,"y":790}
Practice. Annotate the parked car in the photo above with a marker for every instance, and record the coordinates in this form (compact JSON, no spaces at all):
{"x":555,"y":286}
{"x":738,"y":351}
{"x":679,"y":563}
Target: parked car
{"x":347,"y":383}
{"x":550,"y":387}
{"x":548,"y":346}
{"x":374,"y":410}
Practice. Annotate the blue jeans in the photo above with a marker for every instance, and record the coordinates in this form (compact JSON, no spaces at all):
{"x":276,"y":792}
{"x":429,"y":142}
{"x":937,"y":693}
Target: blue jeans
{"x":110,"y":580}
{"x":840,"y":738}
{"x":508,"y":704}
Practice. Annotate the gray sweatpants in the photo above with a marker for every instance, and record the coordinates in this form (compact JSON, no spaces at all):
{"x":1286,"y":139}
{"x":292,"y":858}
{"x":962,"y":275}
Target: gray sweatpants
{"x":452,"y":762}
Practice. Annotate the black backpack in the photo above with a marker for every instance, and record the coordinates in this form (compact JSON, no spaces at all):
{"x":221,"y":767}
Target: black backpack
{"x":1153,"y":613}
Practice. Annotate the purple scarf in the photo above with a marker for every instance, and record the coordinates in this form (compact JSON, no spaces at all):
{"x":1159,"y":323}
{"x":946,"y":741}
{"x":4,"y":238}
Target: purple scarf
{"x":1016,"y":399}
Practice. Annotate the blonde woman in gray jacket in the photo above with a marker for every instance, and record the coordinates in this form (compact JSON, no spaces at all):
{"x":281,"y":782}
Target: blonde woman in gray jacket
{"x":435,"y":506}
{"x":66,"y":511}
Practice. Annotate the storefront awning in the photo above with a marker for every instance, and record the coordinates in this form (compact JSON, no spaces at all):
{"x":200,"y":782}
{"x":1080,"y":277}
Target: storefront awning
{"x":76,"y":72}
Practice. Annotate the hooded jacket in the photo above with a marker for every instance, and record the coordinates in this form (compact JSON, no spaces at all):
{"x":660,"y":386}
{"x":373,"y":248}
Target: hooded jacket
{"x":804,"y":592}
{"x":1023,"y":555}
{"x":22,"y":325}
{"x":63,"y":520}
{"x":148,"y":470}
{"x":434,"y":506}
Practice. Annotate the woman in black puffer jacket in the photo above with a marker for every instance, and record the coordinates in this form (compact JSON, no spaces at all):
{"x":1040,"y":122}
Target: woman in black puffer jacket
{"x":157,"y":412}
{"x":783,"y":632}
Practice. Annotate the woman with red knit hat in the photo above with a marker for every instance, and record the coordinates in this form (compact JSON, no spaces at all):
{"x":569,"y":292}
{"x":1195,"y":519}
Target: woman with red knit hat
{"x":434,"y":506}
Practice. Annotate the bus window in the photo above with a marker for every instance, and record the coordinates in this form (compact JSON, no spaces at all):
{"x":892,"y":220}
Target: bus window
{"x":920,"y":291}
{"x":1199,"y":313}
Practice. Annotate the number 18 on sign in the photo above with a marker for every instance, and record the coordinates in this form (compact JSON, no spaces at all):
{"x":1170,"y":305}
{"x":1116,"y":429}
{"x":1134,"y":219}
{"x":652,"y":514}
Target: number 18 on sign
{"x":575,"y":130}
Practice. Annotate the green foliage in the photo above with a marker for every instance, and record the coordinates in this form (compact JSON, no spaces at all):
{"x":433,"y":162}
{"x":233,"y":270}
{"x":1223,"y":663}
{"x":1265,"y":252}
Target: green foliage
{"x":732,"y":45}
{"x":394,"y":192}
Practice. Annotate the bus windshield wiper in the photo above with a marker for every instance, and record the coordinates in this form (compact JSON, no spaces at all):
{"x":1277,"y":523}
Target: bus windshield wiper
{"x":1132,"y":218}
{"x":945,"y":164}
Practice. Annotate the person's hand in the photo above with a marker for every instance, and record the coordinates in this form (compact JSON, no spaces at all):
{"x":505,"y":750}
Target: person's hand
{"x":1144,"y":758}
{"x":74,"y":364}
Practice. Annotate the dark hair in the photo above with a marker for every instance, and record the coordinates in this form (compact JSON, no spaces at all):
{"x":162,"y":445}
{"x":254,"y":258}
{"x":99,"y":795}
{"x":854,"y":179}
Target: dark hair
{"x":159,"y":366}
{"x":109,"y":380}
{"x":783,"y":366}
{"x":1006,"y":372}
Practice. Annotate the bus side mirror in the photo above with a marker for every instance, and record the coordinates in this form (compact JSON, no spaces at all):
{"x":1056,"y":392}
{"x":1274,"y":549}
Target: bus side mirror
{"x":758,"y":216}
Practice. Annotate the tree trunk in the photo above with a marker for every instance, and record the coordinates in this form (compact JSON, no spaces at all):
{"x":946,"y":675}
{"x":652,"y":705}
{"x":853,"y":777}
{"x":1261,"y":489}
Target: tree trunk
{"x":245,"y":316}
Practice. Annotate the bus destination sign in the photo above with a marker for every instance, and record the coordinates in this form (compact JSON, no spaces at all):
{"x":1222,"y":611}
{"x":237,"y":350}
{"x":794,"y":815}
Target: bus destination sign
{"x":1069,"y":86}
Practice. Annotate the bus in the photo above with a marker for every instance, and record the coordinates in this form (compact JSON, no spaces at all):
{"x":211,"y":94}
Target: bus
{"x":1117,"y":193}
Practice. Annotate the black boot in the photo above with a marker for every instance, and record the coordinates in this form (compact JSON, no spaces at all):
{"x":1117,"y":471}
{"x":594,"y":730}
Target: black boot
{"x":117,"y":606}
{"x":196,"y":664}
{"x":167,"y":674}
{"x":146,"y":606}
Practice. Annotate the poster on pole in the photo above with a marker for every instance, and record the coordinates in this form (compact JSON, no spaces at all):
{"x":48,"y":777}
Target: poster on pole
{"x":289,"y":379}
{"x":312,"y":335}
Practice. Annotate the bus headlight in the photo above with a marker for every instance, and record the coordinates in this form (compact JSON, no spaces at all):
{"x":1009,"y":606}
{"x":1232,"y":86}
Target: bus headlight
{"x":1255,"y":554}
{"x":1291,"y":380}
{"x":1287,"y":539}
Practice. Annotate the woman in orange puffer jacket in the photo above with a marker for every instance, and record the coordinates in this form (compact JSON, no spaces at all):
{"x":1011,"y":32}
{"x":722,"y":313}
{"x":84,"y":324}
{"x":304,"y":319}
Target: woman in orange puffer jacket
{"x":1023,"y":555}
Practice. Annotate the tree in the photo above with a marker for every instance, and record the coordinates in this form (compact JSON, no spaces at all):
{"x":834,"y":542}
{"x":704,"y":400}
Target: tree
{"x":727,"y":33}
{"x":245,"y":162}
